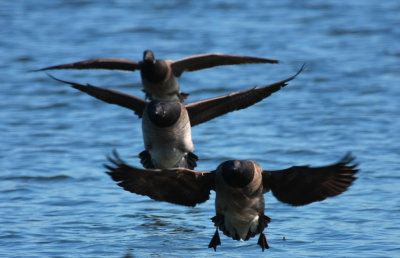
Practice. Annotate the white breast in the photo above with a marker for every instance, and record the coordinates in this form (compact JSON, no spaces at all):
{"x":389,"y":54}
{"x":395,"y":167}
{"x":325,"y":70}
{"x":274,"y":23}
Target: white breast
{"x":241,"y":223}
{"x":168,"y":145}
{"x":241,"y":207}
{"x":240,"y":218}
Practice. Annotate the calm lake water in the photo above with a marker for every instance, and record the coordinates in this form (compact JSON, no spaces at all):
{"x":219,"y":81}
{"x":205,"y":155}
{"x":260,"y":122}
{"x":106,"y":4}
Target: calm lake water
{"x":56,"y":200}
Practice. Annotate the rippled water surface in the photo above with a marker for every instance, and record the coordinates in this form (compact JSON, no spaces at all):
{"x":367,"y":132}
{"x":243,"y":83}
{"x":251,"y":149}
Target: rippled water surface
{"x":56,"y":200}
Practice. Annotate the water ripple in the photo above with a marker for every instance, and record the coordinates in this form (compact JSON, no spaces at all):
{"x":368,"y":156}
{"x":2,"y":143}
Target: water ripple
{"x":55,"y":199}
{"x":38,"y":178}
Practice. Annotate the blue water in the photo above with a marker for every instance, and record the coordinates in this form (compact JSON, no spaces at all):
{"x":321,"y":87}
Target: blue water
{"x":56,"y":201}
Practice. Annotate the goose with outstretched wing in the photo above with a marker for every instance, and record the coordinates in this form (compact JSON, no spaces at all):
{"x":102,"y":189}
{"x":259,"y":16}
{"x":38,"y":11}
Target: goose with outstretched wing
{"x":240,"y":186}
{"x":166,"y":125}
{"x":159,"y":77}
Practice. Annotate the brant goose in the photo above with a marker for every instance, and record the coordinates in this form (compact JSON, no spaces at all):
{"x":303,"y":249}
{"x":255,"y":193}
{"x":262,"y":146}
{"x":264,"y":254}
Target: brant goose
{"x":239,"y":187}
{"x":159,"y":77}
{"x":166,"y":125}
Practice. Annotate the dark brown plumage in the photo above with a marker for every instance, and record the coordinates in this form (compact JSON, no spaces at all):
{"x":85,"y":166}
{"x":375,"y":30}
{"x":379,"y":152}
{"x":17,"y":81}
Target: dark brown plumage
{"x":194,"y":186}
{"x":239,"y":206}
{"x":200,"y":111}
{"x":172,"y":146}
{"x":159,"y":77}
{"x":313,"y":184}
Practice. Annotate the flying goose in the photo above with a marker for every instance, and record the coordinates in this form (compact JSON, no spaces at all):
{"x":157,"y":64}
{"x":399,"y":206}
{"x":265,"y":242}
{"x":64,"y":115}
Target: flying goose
{"x":159,"y":77}
{"x":166,"y":125}
{"x":239,"y":187}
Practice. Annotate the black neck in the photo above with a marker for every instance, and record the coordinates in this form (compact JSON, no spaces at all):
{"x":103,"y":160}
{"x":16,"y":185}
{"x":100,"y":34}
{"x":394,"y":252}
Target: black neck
{"x":237,"y":173}
{"x":164,"y":113}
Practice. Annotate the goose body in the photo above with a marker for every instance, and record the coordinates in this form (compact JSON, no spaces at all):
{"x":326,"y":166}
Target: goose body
{"x":239,"y":186}
{"x":160,"y":77}
{"x":168,"y":142}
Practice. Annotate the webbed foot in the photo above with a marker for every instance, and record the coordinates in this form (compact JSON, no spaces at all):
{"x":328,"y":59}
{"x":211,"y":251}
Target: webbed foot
{"x":262,"y":241}
{"x":215,"y":241}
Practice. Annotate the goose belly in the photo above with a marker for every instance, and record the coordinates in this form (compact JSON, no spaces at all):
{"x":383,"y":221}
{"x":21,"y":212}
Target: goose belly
{"x":241,"y":212}
{"x":168,"y":147}
{"x":239,"y":224}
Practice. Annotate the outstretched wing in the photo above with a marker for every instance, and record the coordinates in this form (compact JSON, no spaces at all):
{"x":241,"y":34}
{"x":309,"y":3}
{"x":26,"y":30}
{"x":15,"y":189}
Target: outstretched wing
{"x":176,"y":185}
{"x":302,"y":185}
{"x":198,"y":62}
{"x":110,"y":96}
{"x":205,"y":110}
{"x":100,"y":63}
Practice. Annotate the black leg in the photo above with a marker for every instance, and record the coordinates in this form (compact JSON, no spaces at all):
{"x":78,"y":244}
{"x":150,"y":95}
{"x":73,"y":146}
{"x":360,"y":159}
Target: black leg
{"x":183,"y":96}
{"x":218,"y":220}
{"x":215,"y":241}
{"x":145,"y":159}
{"x":191,"y":159}
{"x":262,"y":241}
{"x":148,"y":95}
